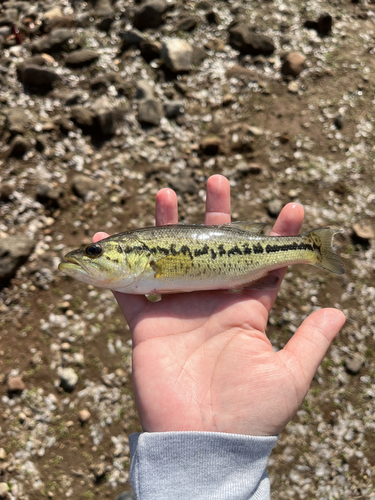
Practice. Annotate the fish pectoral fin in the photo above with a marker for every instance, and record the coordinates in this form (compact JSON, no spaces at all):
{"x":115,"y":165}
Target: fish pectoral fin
{"x":249,"y":227}
{"x":172,"y":266}
{"x":268,"y":282}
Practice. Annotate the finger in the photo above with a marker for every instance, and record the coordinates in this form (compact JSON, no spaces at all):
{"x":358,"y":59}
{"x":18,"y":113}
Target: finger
{"x":288,"y":223}
{"x":306,"y":349}
{"x":217,"y":200}
{"x":99,"y":236}
{"x":166,"y":209}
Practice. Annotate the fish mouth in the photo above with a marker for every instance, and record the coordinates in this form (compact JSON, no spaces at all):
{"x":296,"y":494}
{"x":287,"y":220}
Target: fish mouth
{"x":71,"y":267}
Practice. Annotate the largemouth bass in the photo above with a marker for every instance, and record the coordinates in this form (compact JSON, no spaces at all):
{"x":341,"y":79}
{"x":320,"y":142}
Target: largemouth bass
{"x":185,"y":258}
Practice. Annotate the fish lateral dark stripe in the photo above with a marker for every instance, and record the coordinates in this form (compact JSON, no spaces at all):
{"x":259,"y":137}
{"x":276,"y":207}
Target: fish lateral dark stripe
{"x":163,"y":250}
{"x":246,"y":249}
{"x":258,"y":248}
{"x":173,"y":249}
{"x":201,"y":251}
{"x":234,"y":250}
{"x":222,"y":250}
{"x":186,"y":251}
{"x":291,"y":246}
{"x":213,"y":254}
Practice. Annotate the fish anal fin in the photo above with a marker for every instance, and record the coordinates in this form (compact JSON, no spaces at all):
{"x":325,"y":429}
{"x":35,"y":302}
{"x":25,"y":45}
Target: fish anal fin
{"x":270,"y":281}
{"x":249,"y":227}
{"x":172,"y":266}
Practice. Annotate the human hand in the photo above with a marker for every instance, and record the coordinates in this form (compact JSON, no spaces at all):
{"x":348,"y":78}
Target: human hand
{"x":202,"y":360}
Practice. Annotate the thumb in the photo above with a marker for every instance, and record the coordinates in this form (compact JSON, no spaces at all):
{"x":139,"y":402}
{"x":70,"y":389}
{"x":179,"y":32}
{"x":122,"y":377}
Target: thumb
{"x":306,"y":349}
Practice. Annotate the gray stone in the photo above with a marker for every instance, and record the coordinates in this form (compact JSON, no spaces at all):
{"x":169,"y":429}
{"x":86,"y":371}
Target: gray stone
{"x":80,"y":58}
{"x":173,"y":109}
{"x":131,"y":37}
{"x":180,"y":56}
{"x":242,"y":38}
{"x":15,"y":384}
{"x":14,"y":252}
{"x":36,"y":76}
{"x":150,"y":112}
{"x":144,"y":90}
{"x":4,"y":491}
{"x":363,"y":232}
{"x":18,"y":120}
{"x":184,"y":183}
{"x":150,"y":14}
{"x":293,"y":64}
{"x":274,"y":207}
{"x":83,"y":117}
{"x":83,"y":185}
{"x":56,"y":41}
{"x":18,"y":147}
{"x":127,"y":495}
{"x":102,"y":7}
{"x":354,"y":363}
{"x":210,"y":144}
{"x":68,"y":379}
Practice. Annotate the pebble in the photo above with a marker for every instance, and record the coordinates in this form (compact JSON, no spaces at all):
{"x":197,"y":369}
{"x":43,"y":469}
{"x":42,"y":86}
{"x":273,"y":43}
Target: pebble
{"x":150,"y":111}
{"x":274,"y":207}
{"x":243,"y":38}
{"x":293,"y":87}
{"x":363,"y":233}
{"x":3,"y":454}
{"x":150,"y":14}
{"x":82,"y":186}
{"x":354,"y":363}
{"x":4,"y":490}
{"x":180,"y":56}
{"x":84,"y":416}
{"x":81,"y":58}
{"x":68,"y":379}
{"x":15,"y":384}
{"x":14,"y":252}
{"x":293,"y":64}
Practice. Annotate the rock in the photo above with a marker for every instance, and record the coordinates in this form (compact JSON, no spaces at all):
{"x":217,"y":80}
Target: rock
{"x":14,"y":252}
{"x":6,"y":191}
{"x":186,"y":23}
{"x":243,"y":168}
{"x":4,"y":491}
{"x":49,"y":196}
{"x":83,"y":117}
{"x":56,"y":41}
{"x":325,"y":23}
{"x":242,"y":38}
{"x":274,"y":207}
{"x":150,"y":14}
{"x":18,"y":147}
{"x":68,"y":379}
{"x":102,"y":7}
{"x":3,"y":454}
{"x":363,"y":233}
{"x":242,"y":73}
{"x":105,"y":80}
{"x":213,"y":17}
{"x":144,"y":90}
{"x":81,"y":58}
{"x":184,"y":183}
{"x":173,"y":109}
{"x":15,"y":384}
{"x":131,"y":37}
{"x":18,"y":120}
{"x":150,"y":49}
{"x":293,"y":64}
{"x":150,"y":111}
{"x":293,"y":87}
{"x":105,"y":24}
{"x":339,"y":121}
{"x":106,"y":118}
{"x":210,"y":145}
{"x":52,"y":13}
{"x":354,"y":363}
{"x":180,"y":56}
{"x":84,"y":416}
{"x":35,"y":76}
{"x":82,"y":185}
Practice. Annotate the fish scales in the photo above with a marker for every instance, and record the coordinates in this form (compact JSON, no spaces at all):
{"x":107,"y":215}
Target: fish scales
{"x":179,"y":258}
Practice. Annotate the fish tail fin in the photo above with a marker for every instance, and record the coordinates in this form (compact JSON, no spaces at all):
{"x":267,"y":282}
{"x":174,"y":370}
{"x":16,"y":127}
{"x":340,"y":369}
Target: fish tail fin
{"x":321,"y":240}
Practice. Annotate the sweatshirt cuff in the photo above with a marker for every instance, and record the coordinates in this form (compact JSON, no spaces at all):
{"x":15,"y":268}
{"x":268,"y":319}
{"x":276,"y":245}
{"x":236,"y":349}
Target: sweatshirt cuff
{"x":199,"y":465}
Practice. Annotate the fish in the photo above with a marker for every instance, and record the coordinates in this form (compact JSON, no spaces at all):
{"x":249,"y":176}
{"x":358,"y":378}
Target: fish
{"x":184,"y":258}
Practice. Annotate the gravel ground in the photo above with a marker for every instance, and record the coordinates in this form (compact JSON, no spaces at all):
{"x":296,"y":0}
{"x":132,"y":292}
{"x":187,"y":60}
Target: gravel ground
{"x":102,"y":104}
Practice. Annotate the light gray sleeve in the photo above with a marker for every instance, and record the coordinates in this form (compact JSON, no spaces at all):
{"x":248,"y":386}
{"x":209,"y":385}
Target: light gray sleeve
{"x":199,"y":466}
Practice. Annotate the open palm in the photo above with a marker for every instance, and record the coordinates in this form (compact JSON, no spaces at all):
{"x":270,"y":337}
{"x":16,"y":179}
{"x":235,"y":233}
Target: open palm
{"x":202,"y":360}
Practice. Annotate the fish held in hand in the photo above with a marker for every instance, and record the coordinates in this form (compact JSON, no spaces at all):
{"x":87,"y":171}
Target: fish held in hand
{"x":185,"y":258}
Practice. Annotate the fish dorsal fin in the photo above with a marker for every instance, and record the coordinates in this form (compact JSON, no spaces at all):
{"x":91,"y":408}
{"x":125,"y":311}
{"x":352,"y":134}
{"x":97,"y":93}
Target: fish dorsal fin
{"x":249,"y":227}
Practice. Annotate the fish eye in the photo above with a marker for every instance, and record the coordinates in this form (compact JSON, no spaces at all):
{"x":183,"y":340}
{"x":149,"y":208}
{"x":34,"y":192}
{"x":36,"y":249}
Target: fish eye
{"x":93,"y":250}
